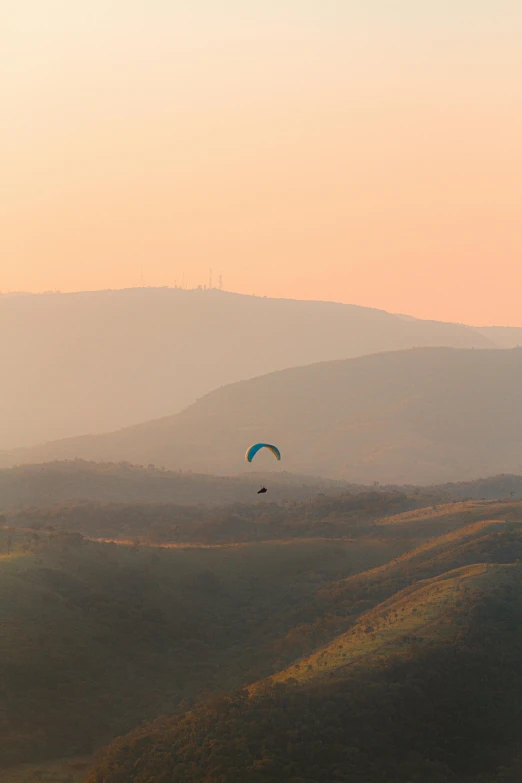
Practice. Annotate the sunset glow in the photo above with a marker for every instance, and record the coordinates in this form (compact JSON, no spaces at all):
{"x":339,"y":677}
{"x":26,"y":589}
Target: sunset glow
{"x":321,"y":150}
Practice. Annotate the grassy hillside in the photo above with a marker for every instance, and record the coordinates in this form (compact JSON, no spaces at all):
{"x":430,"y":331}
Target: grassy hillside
{"x":340,"y":605}
{"x":388,"y":516}
{"x":426,"y":688}
{"x":91,"y":362}
{"x":133,"y":632}
{"x":130,"y":633}
{"x":421,"y":613}
{"x":424,"y":415}
{"x":486,"y":542}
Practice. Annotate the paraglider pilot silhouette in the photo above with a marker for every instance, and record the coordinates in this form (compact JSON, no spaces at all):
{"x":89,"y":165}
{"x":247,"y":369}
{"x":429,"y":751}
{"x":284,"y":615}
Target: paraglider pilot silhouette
{"x":252,"y":451}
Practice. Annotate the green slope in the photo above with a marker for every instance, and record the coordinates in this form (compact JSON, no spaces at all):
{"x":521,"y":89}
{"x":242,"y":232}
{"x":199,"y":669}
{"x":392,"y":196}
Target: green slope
{"x":97,"y":637}
{"x":489,"y":541}
{"x":130,"y":633}
{"x":421,"y":614}
{"x":434,"y":696}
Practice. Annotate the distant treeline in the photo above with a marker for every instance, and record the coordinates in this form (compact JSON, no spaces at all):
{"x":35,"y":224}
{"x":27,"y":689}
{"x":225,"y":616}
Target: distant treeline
{"x":54,"y":483}
{"x":122,"y":482}
{"x":319,"y":517}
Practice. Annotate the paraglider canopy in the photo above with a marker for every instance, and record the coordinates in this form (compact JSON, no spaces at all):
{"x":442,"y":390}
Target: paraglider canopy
{"x":252,"y":451}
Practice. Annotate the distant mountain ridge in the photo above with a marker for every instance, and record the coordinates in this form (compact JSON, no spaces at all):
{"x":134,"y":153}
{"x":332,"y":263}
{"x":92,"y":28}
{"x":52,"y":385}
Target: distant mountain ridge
{"x":96,"y":361}
{"x":418,"y":416}
{"x":503,"y":336}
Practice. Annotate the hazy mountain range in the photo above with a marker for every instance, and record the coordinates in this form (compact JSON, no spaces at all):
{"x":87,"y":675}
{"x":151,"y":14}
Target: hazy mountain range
{"x":416,"y":416}
{"x":94,"y":362}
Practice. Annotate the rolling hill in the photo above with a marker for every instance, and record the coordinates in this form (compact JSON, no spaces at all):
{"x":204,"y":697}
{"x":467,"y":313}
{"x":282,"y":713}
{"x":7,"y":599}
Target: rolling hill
{"x":69,"y":483}
{"x":425,"y":687}
{"x":379,"y":634}
{"x":130,"y":633}
{"x":396,"y":516}
{"x":96,"y":361}
{"x":416,"y":416}
{"x":312,"y":626}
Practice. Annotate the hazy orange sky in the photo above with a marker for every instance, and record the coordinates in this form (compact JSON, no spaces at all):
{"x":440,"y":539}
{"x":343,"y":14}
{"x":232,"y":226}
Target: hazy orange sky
{"x":366,"y":152}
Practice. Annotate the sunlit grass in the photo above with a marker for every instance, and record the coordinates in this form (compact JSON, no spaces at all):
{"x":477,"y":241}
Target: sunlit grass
{"x":441,"y":510}
{"x":422,"y":613}
{"x":430,"y":548}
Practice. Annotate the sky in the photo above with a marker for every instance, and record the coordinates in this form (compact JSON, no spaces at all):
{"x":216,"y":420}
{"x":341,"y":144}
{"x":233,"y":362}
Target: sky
{"x":364,"y":152}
